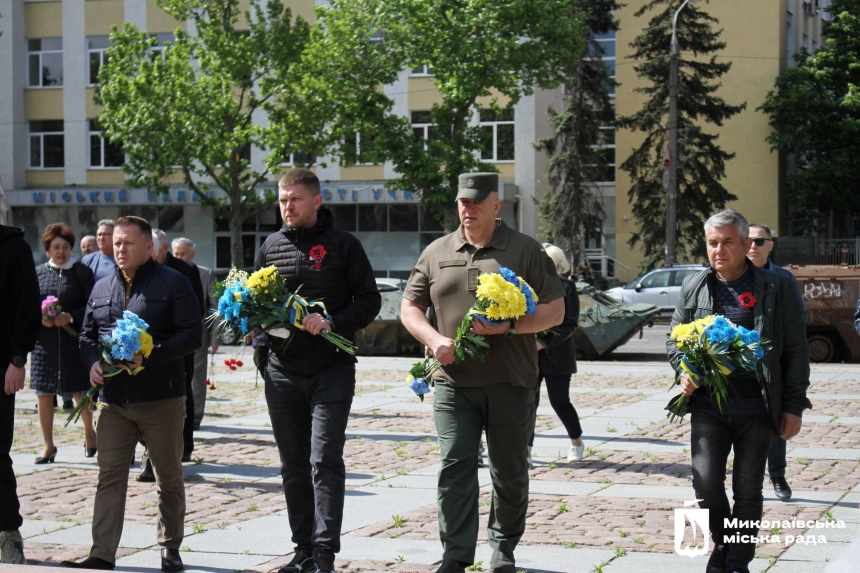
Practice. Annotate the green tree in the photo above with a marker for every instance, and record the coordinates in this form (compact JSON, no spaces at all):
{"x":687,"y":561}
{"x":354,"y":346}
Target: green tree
{"x":815,"y":112}
{"x":701,"y":161}
{"x":577,"y":159}
{"x":499,"y":50}
{"x":194,"y":107}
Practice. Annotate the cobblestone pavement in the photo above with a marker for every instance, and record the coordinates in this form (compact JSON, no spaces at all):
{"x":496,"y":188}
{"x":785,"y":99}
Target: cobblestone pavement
{"x":612,"y":512}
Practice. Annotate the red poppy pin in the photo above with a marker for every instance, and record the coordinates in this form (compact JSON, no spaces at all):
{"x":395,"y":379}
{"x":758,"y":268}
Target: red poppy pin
{"x":747,"y":300}
{"x":318,"y":255}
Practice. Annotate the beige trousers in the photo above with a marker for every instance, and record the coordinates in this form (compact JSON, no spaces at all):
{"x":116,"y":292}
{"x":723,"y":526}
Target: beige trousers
{"x":120,"y":426}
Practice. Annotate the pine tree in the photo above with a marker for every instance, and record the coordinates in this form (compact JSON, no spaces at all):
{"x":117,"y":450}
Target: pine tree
{"x":572,"y":209}
{"x":701,"y":161}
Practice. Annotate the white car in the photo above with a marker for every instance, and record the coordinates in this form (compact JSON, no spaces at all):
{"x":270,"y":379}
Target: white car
{"x":660,"y":287}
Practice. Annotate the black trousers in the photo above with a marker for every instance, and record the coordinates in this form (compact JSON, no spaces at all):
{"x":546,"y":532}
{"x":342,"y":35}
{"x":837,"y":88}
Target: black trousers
{"x":10,"y":514}
{"x":188,"y":426}
{"x":558,"y":388}
{"x":309,"y":416}
{"x":712,"y":437}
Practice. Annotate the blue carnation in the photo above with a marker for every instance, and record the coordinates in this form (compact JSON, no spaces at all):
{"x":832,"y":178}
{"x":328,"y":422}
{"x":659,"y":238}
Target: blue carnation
{"x":243,"y":324}
{"x":749,"y":336}
{"x":419,"y":386}
{"x":509,"y":276}
{"x":759,"y":351}
{"x":721,"y":331}
{"x":531,"y":306}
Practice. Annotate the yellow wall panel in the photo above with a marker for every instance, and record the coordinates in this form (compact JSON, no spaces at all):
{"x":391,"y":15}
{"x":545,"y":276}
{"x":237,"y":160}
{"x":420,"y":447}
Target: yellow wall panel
{"x":507,"y":171}
{"x":101,"y":15}
{"x":93,"y":110}
{"x":43,"y":19}
{"x":754,"y":30}
{"x":362,"y":173}
{"x":303,"y":8}
{"x":423,"y":93}
{"x":106,"y":177}
{"x":501,"y":100}
{"x":159,"y":21}
{"x":43,"y":103}
{"x":56,"y":178}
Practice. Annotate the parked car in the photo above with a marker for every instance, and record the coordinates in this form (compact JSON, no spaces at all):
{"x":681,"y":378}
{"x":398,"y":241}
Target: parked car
{"x":659,"y":287}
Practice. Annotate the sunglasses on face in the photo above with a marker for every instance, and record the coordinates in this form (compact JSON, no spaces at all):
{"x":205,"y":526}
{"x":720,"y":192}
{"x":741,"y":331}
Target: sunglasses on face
{"x":760,"y":241}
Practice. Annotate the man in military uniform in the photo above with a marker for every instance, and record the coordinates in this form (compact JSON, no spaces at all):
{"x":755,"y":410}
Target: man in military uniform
{"x":497,"y":395}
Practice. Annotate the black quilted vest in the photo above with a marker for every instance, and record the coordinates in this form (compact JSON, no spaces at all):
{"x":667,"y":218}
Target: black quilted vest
{"x":344,"y":282}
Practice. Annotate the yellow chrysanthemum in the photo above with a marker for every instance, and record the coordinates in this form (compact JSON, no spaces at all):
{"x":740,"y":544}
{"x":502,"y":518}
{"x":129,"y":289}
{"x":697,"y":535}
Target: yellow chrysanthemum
{"x":261,"y":279}
{"x":145,"y":344}
{"x":507,"y":301}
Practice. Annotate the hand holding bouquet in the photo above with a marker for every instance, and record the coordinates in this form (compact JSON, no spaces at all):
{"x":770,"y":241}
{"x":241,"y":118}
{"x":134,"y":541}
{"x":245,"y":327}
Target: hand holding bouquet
{"x":501,"y":296}
{"x":262,"y":300}
{"x":713,"y":347}
{"x":116,"y":351}
{"x":51,"y":309}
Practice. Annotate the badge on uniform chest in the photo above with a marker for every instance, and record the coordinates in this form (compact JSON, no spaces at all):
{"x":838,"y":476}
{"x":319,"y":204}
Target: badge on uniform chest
{"x":472,"y":278}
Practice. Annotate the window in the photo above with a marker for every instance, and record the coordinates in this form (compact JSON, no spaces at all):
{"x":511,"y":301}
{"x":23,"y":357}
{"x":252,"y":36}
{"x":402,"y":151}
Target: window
{"x":298,"y":158}
{"x":606,"y":149}
{"x":45,"y":62}
{"x":360,"y":156}
{"x":102,"y":152}
{"x":96,"y":57}
{"x":47,"y":144}
{"x":497,"y":134}
{"x":681,"y":275}
{"x":606,"y":42}
{"x":422,"y":126}
{"x":422,"y":70}
{"x":394,"y":218}
{"x":163,"y":39}
{"x":654,"y":280}
{"x":254,"y":232}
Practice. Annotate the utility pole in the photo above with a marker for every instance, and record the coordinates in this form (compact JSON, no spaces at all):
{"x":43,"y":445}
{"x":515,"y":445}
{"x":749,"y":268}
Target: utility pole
{"x":672,"y":199}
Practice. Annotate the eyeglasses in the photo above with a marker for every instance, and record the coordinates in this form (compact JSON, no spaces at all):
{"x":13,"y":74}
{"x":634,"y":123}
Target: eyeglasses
{"x":61,"y":248}
{"x":760,"y":241}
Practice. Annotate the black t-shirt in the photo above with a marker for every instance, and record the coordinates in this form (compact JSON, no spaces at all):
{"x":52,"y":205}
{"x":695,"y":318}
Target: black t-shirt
{"x":745,"y":396}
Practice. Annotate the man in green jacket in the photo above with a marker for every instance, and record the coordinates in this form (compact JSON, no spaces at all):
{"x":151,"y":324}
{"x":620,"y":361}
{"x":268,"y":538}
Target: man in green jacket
{"x":760,"y":406}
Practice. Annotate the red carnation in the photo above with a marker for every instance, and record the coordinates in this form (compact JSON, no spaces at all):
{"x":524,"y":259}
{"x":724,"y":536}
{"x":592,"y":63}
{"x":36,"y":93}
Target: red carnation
{"x":207,"y":382}
{"x":747,"y":300}
{"x":226,"y":363}
{"x":239,"y":363}
{"x":318,"y":255}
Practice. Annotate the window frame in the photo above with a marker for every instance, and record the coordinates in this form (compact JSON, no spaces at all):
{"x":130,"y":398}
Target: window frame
{"x":92,"y":131}
{"x":41,"y":137}
{"x":494,"y":125}
{"x":38,"y":54}
{"x":422,"y":71}
{"x":101,"y":53}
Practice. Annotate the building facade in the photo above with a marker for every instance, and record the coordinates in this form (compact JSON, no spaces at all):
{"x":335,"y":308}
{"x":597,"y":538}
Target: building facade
{"x":55,"y":166}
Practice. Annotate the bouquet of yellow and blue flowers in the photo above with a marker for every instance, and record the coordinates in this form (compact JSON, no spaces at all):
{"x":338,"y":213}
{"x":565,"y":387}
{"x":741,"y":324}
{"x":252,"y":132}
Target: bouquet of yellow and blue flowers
{"x":501,"y":296}
{"x":128,"y":338}
{"x":713,"y":347}
{"x":262,"y":300}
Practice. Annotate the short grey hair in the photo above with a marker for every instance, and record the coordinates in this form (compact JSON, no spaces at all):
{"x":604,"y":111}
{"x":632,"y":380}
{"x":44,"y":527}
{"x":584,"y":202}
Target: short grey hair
{"x":183,"y":241}
{"x":106,"y":223}
{"x":730,"y":218}
{"x":159,"y":238}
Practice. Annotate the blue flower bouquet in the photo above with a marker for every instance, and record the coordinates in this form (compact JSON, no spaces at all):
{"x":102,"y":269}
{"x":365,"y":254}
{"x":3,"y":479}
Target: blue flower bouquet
{"x":713,"y":348}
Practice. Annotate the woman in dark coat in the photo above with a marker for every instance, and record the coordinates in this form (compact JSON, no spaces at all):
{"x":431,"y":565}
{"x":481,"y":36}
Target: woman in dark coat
{"x":557,"y":360}
{"x":57,"y":365}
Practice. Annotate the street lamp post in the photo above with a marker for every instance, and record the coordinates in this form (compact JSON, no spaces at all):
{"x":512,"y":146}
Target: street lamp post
{"x":672,"y":200}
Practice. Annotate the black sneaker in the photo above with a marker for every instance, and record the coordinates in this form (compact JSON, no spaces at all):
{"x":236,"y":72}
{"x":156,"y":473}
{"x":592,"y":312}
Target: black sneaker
{"x":717,"y":562}
{"x":781,"y":487}
{"x":324,"y":562}
{"x":302,"y":563}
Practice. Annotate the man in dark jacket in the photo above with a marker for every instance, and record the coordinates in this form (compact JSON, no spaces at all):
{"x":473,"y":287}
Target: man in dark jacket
{"x":20,"y":323}
{"x":149,"y":405}
{"x":759,"y":406}
{"x":761,"y":246}
{"x":310,"y":384}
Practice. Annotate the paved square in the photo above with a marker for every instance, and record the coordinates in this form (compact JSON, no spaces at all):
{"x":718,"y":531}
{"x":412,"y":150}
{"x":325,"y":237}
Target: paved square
{"x":614,"y":511}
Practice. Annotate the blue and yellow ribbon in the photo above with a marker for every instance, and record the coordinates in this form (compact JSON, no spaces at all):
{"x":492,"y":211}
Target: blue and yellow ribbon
{"x":299,"y":308}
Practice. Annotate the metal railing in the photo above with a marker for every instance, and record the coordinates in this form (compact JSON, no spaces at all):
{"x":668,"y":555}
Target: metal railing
{"x":830,"y":251}
{"x":608,"y":266}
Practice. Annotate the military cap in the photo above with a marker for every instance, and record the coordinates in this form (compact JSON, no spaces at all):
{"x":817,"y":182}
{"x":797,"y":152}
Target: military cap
{"x":477,"y":186}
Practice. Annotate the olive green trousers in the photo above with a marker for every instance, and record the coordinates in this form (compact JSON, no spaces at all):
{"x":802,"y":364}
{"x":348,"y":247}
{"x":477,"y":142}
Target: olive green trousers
{"x":506,"y":413}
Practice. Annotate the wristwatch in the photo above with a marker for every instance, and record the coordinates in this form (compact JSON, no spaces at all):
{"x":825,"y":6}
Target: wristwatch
{"x":18,"y":361}
{"x":512,"y":330}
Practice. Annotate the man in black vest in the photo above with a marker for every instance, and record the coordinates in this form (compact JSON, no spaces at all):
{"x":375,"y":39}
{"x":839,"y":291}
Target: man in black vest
{"x":310,"y":385}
